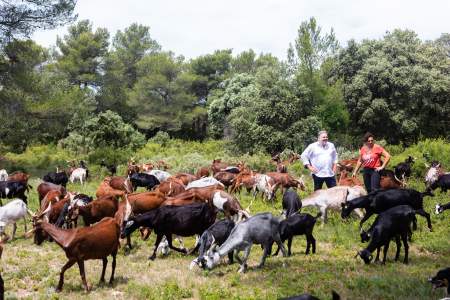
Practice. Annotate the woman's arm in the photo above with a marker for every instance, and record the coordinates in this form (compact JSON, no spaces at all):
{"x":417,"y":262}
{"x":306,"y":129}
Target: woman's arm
{"x":358,"y":165}
{"x":387,"y":157}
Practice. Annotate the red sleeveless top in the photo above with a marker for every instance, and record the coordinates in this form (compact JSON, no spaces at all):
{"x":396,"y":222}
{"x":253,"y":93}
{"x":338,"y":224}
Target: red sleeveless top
{"x":371,"y":158}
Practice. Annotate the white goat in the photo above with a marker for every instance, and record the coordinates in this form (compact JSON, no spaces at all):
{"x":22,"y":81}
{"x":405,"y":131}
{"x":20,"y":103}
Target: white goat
{"x":161,"y":175}
{"x":10,"y":213}
{"x":203,"y":182}
{"x":3,"y":175}
{"x":332,"y":198}
{"x":266,"y":185}
{"x":78,"y":174}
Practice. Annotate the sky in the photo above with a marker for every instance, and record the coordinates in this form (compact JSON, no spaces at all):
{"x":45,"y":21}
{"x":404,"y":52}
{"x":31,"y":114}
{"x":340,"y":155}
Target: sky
{"x":198,"y":27}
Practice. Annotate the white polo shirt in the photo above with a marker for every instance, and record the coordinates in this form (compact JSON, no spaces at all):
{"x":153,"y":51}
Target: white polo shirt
{"x":320,"y":157}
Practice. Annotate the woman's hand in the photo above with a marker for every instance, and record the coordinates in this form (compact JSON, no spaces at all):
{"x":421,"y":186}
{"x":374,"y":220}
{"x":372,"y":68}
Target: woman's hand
{"x":379,"y":169}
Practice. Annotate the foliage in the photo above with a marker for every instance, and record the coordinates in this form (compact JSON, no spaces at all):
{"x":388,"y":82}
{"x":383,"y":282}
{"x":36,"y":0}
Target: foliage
{"x":161,"y":138}
{"x":107,"y":129}
{"x":21,"y":19}
{"x":398,"y":87}
{"x":82,"y":54}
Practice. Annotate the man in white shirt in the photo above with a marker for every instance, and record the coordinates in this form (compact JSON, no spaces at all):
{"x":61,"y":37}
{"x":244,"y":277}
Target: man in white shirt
{"x":321,"y":159}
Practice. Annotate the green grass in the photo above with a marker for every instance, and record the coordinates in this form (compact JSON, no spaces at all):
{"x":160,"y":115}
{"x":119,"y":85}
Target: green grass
{"x":32,"y":272}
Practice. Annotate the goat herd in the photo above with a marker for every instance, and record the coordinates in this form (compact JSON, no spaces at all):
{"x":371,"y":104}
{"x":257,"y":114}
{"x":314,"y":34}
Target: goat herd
{"x":185,"y":205}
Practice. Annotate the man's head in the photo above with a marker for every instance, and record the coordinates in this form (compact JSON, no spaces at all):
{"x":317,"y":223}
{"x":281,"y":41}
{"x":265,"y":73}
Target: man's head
{"x":322,"y":137}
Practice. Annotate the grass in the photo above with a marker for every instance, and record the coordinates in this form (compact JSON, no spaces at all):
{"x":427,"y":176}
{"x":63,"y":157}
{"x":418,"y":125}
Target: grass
{"x":32,"y":272}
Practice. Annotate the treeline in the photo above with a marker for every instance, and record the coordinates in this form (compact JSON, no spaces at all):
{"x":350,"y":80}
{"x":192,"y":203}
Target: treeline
{"x":92,"y":90}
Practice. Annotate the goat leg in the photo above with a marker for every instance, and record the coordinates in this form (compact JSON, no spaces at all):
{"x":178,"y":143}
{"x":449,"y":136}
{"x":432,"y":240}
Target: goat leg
{"x":158,"y":240}
{"x":169,"y":241}
{"x":267,"y":248}
{"x":83,"y":274}
{"x":290,"y":244}
{"x":405,"y":244}
{"x":104,"y":264}
{"x":399,"y":245}
{"x":385,"y":250}
{"x":113,"y":269}
{"x":14,"y":230}
{"x":243,"y":267}
{"x":68,"y":264}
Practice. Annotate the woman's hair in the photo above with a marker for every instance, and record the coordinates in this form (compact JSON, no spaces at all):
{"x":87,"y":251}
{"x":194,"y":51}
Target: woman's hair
{"x":367,"y":136}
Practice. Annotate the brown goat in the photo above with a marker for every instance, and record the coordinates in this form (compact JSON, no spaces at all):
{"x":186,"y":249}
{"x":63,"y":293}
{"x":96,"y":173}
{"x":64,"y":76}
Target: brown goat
{"x":95,"y":211}
{"x":171,"y":187}
{"x":284,"y":180}
{"x":19,"y":176}
{"x":344,"y":180}
{"x":105,"y":189}
{"x":246,"y":179}
{"x":80,"y":244}
{"x":226,"y":178}
{"x":46,"y":187}
{"x":121,"y":183}
{"x":202,"y":172}
{"x":185,"y":177}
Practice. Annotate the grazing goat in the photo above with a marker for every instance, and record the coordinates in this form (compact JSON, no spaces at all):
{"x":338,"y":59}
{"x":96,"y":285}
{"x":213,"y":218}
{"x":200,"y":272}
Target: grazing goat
{"x":46,"y":187}
{"x":285,"y":180}
{"x":441,"y":279}
{"x":440,"y":208}
{"x":95,"y":242}
{"x":332,"y":198}
{"x":259,"y":229}
{"x":298,"y":224}
{"x":184,"y":177}
{"x":291,"y":203}
{"x":389,"y":224}
{"x":226,"y":178}
{"x":202,"y":172}
{"x":266,"y":185}
{"x":216,"y":233}
{"x":184,"y":221}
{"x":381,"y":200}
{"x":203,"y":182}
{"x":388,"y":180}
{"x":10,"y":213}
{"x":160,"y":175}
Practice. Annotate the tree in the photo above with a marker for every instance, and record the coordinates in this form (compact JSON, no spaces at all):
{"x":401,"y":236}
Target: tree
{"x":211,"y":70}
{"x":82,"y":54}
{"x":22,"y":19}
{"x":162,"y":97}
{"x":120,"y":70}
{"x":397,"y":87}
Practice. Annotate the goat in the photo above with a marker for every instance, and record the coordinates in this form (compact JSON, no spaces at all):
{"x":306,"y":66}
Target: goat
{"x":291,"y":203}
{"x":184,"y":221}
{"x":381,"y":200}
{"x":216,"y":233}
{"x":11,"y":213}
{"x":3,"y":175}
{"x":266,"y":185}
{"x":95,"y":242}
{"x":45,"y":187}
{"x":160,"y":175}
{"x":13,"y":189}
{"x":95,"y":210}
{"x":59,"y":178}
{"x":259,"y":229}
{"x":442,"y":182}
{"x":403,"y":169}
{"x":144,"y":180}
{"x":393,"y":222}
{"x":78,"y":174}
{"x":441,"y":279}
{"x":203,"y":182}
{"x":298,"y":224}
{"x":332,"y":198}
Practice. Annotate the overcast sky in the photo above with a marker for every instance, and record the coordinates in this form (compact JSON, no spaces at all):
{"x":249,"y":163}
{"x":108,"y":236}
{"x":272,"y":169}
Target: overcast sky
{"x":198,"y":27}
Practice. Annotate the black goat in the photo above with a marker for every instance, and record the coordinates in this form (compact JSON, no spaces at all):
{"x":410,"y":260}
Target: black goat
{"x":60,"y":178}
{"x":13,"y":189}
{"x":442,"y":182}
{"x":112,"y":168}
{"x":403,"y":169}
{"x":441,"y":279}
{"x":395,"y":221}
{"x":381,"y":200}
{"x":298,"y":224}
{"x":144,"y":180}
{"x":218,"y":234}
{"x":291,"y":202}
{"x":440,"y":208}
{"x":186,"y":220}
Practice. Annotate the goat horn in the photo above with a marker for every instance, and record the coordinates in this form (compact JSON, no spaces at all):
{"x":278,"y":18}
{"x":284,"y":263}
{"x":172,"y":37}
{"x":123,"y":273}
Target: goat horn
{"x":29,"y":233}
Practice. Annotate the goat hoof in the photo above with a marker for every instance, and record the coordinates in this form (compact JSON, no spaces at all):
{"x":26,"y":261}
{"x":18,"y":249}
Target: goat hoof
{"x":152,"y":257}
{"x":58,"y":290}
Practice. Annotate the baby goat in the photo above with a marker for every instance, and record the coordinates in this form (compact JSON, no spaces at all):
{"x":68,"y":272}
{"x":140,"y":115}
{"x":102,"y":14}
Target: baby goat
{"x":298,"y":224}
{"x":95,"y":242}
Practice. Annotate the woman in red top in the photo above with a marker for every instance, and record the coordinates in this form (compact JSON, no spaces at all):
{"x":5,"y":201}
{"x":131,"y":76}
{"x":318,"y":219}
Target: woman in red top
{"x":370,"y":158}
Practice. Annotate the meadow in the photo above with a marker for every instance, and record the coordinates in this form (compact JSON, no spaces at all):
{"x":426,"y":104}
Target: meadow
{"x":32,"y":272}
